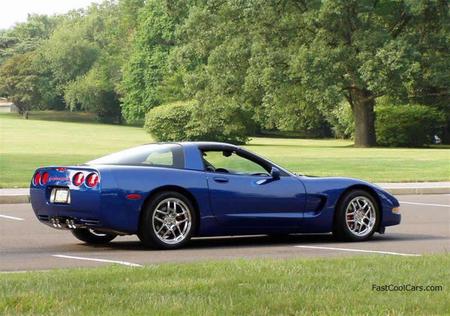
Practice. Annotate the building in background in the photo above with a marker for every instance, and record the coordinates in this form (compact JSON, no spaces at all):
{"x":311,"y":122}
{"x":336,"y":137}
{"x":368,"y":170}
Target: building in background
{"x":7,"y":106}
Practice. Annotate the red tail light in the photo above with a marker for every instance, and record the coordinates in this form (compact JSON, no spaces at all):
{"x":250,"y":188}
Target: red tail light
{"x":78,"y":179}
{"x":37,"y":178}
{"x":92,"y":180}
{"x":44,"y":178}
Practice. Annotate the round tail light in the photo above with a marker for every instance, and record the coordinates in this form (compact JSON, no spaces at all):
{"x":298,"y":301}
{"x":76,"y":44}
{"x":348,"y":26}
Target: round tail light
{"x":78,"y":179}
{"x":44,"y":178}
{"x":37,"y":178}
{"x":92,"y":180}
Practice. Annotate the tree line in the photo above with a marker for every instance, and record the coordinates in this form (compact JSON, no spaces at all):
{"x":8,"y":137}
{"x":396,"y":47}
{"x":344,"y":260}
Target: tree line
{"x":237,"y":67}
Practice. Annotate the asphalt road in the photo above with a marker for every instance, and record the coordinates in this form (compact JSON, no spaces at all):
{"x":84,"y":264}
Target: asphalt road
{"x":25,"y":244}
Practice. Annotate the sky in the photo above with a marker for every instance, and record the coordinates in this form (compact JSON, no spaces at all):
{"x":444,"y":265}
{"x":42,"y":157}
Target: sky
{"x":13,"y":11}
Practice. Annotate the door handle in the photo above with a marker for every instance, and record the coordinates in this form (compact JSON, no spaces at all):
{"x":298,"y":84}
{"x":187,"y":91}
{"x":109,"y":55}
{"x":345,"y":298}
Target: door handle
{"x":220,"y":179}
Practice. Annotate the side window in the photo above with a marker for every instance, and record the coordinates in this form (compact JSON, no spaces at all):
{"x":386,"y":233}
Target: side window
{"x":160,"y":158}
{"x":230,"y":162}
{"x":163,"y":155}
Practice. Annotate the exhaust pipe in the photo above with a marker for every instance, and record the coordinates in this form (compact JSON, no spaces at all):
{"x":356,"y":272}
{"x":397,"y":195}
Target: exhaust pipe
{"x":71,"y":223}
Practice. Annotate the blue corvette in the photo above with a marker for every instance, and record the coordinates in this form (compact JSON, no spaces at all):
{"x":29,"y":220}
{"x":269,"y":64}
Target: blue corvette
{"x":168,"y":192}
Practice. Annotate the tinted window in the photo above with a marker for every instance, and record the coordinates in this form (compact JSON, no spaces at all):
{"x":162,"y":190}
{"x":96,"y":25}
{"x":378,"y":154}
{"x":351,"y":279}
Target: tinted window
{"x":230,"y":162}
{"x":163,"y":155}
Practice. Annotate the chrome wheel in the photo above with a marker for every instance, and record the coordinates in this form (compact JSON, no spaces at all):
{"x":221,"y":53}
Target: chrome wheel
{"x":171,"y":221}
{"x":360,"y":216}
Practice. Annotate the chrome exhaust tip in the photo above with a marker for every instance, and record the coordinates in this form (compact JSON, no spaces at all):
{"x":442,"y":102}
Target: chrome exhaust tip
{"x":53,"y":222}
{"x":70,"y":223}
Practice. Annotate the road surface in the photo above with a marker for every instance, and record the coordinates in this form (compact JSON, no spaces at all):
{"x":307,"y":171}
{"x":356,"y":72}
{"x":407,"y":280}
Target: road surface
{"x":26,"y":244}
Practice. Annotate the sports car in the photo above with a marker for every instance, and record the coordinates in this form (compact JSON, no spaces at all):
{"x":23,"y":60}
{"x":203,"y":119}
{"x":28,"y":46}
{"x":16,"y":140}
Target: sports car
{"x":166,"y":193}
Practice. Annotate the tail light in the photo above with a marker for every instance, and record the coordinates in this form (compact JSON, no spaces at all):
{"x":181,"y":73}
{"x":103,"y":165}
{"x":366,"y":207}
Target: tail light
{"x":44,"y":178}
{"x":78,"y":179}
{"x":92,"y":180}
{"x":37,"y":178}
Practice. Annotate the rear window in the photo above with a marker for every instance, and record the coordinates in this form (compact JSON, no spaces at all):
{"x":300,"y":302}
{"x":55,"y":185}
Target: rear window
{"x":160,"y":155}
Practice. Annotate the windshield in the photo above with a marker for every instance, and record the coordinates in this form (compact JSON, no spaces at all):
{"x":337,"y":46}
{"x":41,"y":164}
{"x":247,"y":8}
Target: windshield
{"x":161,"y":155}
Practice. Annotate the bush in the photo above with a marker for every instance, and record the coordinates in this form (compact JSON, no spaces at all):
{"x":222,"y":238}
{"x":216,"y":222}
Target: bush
{"x":220,"y":122}
{"x":168,"y":122}
{"x":407,"y":125}
{"x":188,"y":120}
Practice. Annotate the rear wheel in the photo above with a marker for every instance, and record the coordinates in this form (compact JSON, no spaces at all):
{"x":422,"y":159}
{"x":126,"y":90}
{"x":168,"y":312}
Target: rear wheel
{"x":357,"y":216}
{"x":91,"y":236}
{"x":168,"y":221}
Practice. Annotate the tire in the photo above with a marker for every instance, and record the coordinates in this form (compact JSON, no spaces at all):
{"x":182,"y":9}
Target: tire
{"x":168,"y":221}
{"x":357,"y":216}
{"x":89,"y":236}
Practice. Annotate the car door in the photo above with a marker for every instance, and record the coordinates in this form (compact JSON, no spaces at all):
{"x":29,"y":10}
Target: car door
{"x":244,"y":194}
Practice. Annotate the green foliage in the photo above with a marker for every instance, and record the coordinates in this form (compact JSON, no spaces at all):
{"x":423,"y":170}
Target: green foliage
{"x":342,"y":121}
{"x":18,"y":79}
{"x":250,"y":65}
{"x":221,"y":121}
{"x":69,"y":53}
{"x":188,"y":120}
{"x":145,"y":71}
{"x":168,"y":122}
{"x":26,"y":36}
{"x":407,"y":125}
{"x":77,"y":57}
{"x":94,"y":92}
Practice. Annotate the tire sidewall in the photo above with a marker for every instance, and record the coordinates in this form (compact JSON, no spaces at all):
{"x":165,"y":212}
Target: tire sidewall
{"x":86,"y":236}
{"x":341,"y":229}
{"x":146,"y":232}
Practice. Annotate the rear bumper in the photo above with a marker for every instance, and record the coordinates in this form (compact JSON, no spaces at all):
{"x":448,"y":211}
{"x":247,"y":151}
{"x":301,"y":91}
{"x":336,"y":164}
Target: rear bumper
{"x":84,"y":210}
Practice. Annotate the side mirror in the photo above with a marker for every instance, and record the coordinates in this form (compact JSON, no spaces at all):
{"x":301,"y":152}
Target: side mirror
{"x":275,"y":173}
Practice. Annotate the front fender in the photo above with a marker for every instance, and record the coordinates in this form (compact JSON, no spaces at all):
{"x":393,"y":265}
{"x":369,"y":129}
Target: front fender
{"x":324,"y":193}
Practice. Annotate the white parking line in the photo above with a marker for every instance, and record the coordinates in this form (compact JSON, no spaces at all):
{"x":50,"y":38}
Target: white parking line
{"x":130,"y":264}
{"x":426,"y":204}
{"x":362,"y":250}
{"x":12,"y":217}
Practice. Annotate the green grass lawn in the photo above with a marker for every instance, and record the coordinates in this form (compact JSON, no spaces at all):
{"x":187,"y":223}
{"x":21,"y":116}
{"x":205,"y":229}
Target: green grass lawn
{"x":41,"y":140}
{"x":239,"y":287}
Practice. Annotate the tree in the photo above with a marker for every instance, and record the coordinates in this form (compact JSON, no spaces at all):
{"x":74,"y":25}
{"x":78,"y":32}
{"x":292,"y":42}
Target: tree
{"x":145,"y":71}
{"x":18,"y":81}
{"x":94,"y":92}
{"x":288,"y":61}
{"x":26,"y":36}
{"x":361,"y":50}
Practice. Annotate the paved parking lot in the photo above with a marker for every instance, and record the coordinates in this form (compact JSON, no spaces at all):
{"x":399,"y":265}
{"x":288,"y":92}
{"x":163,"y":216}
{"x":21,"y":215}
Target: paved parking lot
{"x":25,"y":244}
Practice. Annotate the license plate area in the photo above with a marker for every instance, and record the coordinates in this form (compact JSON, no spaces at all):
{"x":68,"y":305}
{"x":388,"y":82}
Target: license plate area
{"x":60,"y":196}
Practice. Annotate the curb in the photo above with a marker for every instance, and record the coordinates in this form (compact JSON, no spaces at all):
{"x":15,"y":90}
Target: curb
{"x":14,"y":199}
{"x":22,"y":195}
{"x":418,"y":191}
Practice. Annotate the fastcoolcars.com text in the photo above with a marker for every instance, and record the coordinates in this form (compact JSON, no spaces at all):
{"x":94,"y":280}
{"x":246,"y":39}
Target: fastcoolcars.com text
{"x":406,"y":288}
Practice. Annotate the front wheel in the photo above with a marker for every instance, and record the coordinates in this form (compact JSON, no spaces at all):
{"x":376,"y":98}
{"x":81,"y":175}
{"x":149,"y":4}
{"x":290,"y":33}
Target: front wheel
{"x":91,"y":236}
{"x":357,"y":216}
{"x":168,"y":221}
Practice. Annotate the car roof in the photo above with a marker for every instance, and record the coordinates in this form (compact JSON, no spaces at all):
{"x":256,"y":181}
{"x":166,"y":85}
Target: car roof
{"x":209,"y":145}
{"x":201,"y":144}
